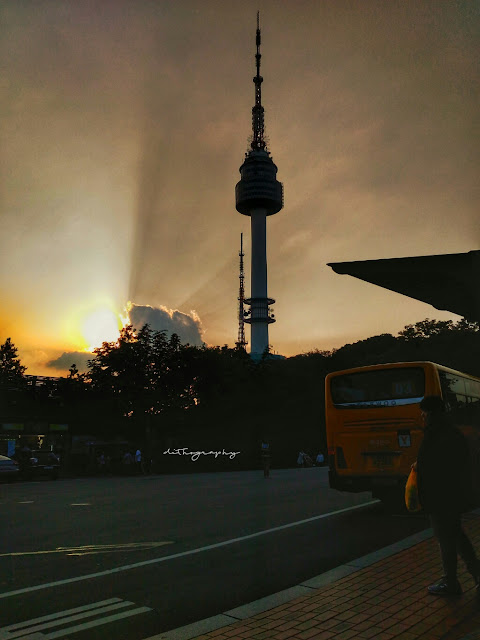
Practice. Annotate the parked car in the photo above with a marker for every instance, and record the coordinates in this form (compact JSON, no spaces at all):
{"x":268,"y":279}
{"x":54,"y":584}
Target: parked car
{"x":8,"y":468}
{"x":42,"y":463}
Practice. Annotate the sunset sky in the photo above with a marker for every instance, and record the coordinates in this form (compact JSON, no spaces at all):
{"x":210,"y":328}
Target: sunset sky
{"x":124,"y":124}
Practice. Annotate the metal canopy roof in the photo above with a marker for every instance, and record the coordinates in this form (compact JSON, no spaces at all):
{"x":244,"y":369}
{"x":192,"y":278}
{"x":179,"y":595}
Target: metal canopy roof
{"x":449,"y":282}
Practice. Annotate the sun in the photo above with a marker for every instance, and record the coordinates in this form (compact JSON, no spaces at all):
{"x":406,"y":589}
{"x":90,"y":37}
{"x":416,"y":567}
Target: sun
{"x":100,"y":326}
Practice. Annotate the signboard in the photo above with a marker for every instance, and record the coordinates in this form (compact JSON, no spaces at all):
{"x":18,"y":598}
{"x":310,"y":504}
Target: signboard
{"x":12,"y":426}
{"x":59,"y":427}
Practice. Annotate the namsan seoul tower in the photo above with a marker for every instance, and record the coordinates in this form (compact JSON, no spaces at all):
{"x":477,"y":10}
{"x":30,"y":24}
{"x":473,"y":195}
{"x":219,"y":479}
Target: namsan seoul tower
{"x":258,"y":195}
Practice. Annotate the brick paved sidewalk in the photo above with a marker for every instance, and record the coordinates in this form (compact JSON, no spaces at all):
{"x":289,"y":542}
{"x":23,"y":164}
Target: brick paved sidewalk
{"x":384,"y":601}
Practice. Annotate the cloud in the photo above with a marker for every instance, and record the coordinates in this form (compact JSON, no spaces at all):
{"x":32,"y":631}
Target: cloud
{"x":65,"y":361}
{"x":187,"y":327}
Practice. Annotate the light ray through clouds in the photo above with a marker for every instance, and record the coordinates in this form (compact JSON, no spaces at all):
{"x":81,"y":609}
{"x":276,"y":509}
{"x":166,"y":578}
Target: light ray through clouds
{"x":124,"y":126}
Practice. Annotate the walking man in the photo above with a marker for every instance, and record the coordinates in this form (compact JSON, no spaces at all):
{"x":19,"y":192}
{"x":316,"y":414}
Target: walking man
{"x":444,"y":487}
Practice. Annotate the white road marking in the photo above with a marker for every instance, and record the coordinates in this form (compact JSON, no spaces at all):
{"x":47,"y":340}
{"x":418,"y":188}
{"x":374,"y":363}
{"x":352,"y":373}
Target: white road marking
{"x":32,"y":628}
{"x":80,"y":504}
{"x":96,"y":623}
{"x":56,"y":623}
{"x":60,"y":614}
{"x":183,"y":554}
{"x":91,"y":548}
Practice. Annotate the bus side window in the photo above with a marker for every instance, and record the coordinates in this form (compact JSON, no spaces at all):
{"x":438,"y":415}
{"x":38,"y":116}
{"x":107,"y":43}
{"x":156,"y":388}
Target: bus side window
{"x":460,"y":414}
{"x":473,"y":389}
{"x":462,"y":398}
{"x":447,"y":383}
{"x":473,"y":393}
{"x":472,"y":412}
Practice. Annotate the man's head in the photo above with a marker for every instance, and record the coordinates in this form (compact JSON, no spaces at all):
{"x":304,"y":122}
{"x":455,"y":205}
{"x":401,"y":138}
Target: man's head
{"x":431,"y":407}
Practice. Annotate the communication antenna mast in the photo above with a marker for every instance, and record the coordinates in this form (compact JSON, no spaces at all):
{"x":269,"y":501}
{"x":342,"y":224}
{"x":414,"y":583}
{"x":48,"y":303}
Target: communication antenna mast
{"x":258,"y":112}
{"x":241,"y":342}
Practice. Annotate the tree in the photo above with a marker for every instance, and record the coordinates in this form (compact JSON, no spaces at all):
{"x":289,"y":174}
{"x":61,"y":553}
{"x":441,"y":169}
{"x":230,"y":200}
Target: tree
{"x":452,"y":344}
{"x":374,"y":350}
{"x":143,"y":373}
{"x":426,"y":329}
{"x":11,"y":370}
{"x":73,"y":372}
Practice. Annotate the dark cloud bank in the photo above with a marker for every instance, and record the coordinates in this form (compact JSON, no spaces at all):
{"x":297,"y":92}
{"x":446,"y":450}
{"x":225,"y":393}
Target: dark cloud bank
{"x":187,"y":327}
{"x":65,"y":361}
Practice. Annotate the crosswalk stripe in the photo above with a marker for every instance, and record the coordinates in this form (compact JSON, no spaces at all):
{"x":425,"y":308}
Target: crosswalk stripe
{"x":63,"y":620}
{"x":34,"y":636}
{"x":96,"y":623}
{"x":60,"y":614}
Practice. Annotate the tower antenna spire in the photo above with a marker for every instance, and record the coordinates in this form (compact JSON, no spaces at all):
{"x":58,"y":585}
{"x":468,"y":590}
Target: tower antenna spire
{"x":258,"y":112}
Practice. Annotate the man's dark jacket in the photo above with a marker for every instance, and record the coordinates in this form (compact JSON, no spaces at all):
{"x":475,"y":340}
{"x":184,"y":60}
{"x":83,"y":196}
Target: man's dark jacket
{"x":443,"y":467}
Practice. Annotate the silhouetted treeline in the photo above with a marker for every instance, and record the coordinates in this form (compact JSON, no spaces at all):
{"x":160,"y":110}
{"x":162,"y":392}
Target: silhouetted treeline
{"x":158,"y":393}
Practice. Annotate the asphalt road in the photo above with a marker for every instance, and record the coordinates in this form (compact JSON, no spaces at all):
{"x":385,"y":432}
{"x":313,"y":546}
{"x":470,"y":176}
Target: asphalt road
{"x":147,"y":554}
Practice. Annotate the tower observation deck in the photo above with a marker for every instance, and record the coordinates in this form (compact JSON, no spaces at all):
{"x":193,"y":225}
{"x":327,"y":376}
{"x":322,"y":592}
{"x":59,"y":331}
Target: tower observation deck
{"x":258,"y":194}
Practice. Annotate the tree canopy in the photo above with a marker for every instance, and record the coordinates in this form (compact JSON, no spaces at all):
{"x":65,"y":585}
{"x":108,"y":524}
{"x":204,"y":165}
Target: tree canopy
{"x":11,"y":370}
{"x":147,"y":382}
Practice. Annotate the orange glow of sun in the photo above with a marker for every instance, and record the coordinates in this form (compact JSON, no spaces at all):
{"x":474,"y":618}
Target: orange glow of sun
{"x":101,"y":325}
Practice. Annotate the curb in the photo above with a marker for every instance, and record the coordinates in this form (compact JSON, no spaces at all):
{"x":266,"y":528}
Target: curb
{"x":243,"y":612}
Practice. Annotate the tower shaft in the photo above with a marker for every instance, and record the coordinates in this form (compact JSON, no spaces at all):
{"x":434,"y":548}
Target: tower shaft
{"x":260,"y":316}
{"x":258,"y":224}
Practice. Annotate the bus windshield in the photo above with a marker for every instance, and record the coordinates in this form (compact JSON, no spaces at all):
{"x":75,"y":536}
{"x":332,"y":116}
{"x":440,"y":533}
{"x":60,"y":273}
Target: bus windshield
{"x":378,"y":388}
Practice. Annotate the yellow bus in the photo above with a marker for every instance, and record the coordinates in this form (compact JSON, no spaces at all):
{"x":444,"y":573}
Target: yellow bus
{"x":374,"y":426}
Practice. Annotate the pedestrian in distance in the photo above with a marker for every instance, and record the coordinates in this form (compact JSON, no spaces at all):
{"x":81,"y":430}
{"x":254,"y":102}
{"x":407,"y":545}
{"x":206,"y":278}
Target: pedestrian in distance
{"x":138,"y":461}
{"x":101,"y":462}
{"x":320,"y":460}
{"x":445,"y":491}
{"x":127,"y":462}
{"x":266,"y":454}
